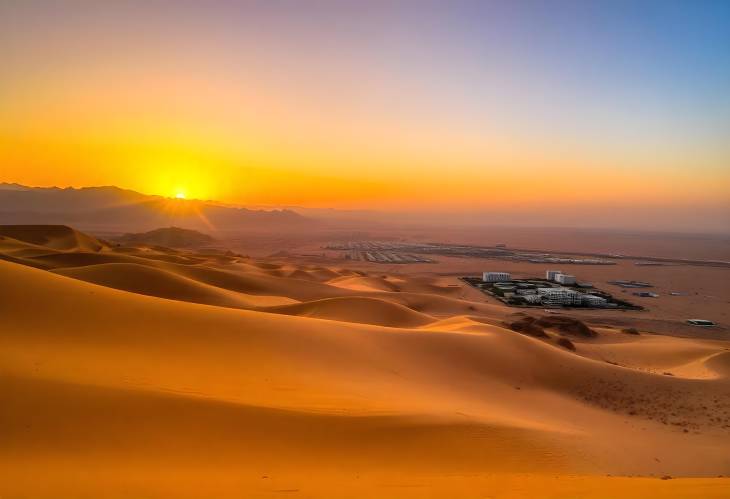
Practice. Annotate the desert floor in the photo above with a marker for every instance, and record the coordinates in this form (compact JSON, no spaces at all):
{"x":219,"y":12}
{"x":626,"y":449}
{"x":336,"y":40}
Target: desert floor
{"x":152,"y":372}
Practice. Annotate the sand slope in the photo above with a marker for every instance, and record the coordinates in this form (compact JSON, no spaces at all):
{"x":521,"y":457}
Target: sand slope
{"x":113,"y":392}
{"x":357,"y":309}
{"x":152,"y":281}
{"x":228,"y":281}
{"x":58,"y":237}
{"x":396,"y":397}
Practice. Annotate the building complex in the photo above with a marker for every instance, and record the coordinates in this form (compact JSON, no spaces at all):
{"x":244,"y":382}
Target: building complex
{"x":555,"y":290}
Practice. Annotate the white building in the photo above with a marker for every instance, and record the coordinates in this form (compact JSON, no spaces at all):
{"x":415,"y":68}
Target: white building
{"x":565,"y":279}
{"x":593,"y":301}
{"x":496,"y":276}
{"x":559,"y":296}
{"x":550,"y":274}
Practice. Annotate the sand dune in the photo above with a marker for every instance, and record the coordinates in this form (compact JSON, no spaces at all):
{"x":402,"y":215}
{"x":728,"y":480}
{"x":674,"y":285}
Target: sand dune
{"x":323,"y":273}
{"x":251,"y":283}
{"x":390,"y":283}
{"x":182,"y":260}
{"x":329,"y":365}
{"x":300,"y":274}
{"x":719,"y":363}
{"x":437,"y":305}
{"x":157,"y":282}
{"x":362,"y":283}
{"x":201,"y":279}
{"x":63,"y":260}
{"x":680,"y":356}
{"x":155,"y":393}
{"x":59,"y":237}
{"x":357,"y":309}
{"x":18,"y":248}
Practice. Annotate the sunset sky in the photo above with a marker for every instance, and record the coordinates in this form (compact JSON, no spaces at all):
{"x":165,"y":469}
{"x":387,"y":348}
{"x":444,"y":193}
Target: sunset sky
{"x":411,"y":105}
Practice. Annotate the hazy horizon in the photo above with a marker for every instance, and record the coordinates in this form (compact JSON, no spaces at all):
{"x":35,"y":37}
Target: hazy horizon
{"x":495,"y":218}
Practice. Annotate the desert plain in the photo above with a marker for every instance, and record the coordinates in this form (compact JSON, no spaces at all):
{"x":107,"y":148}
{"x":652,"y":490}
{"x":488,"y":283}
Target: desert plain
{"x":147,"y":371}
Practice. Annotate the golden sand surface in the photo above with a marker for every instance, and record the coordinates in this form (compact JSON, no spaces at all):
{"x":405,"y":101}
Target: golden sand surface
{"x":152,"y":372}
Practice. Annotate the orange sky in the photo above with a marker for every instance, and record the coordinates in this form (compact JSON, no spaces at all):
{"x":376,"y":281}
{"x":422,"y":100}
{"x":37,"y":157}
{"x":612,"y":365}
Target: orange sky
{"x":419,"y":117}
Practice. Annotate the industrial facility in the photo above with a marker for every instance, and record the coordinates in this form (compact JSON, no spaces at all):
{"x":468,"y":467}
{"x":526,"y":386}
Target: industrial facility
{"x":559,"y":277}
{"x":555,"y":290}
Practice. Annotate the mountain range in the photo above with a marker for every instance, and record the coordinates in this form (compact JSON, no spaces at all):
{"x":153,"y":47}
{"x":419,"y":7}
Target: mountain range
{"x":111,"y":208}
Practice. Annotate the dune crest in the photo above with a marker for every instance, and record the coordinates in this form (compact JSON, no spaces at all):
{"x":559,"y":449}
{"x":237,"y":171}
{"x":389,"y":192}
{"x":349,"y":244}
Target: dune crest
{"x":55,"y":237}
{"x":364,"y":310}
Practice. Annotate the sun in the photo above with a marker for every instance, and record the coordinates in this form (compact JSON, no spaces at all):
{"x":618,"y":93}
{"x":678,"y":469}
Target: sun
{"x":180,"y":195}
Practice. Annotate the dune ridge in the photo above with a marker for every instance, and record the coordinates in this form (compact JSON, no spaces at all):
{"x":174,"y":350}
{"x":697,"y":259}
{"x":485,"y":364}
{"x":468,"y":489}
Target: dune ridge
{"x":59,"y":237}
{"x":357,"y":309}
{"x":149,"y":280}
